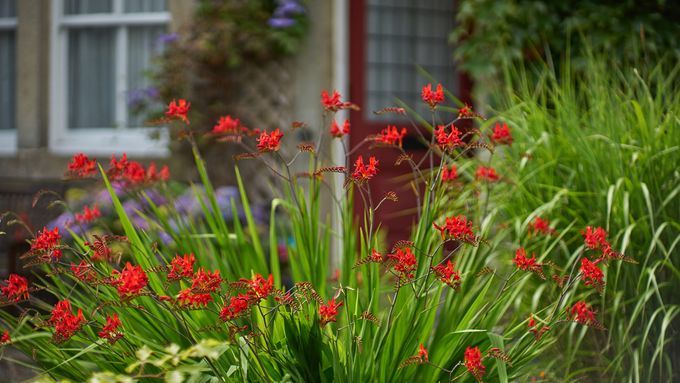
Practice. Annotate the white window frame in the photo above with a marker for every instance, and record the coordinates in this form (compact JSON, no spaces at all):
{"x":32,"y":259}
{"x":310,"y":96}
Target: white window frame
{"x":133,"y":141}
{"x":8,"y":138}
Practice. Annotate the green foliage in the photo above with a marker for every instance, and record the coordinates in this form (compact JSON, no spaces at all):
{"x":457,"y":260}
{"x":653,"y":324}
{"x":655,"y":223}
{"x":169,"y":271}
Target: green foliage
{"x":603,"y":145}
{"x":493,"y":34}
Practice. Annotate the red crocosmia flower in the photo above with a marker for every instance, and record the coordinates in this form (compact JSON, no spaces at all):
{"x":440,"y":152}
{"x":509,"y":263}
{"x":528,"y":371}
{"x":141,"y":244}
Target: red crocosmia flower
{"x":532,"y":322}
{"x":83,"y":271}
{"x":88,"y":214}
{"x":110,"y":330}
{"x":581,"y":313}
{"x":542,"y":226}
{"x":533,"y":329}
{"x":501,"y":134}
{"x":5,"y":338}
{"x":432,"y":98}
{"x":16,"y":288}
{"x":448,"y":274}
{"x":328,"y":312}
{"x":181,"y":267}
{"x":592,"y":274}
{"x":391,"y":136}
{"x":405,"y":262}
{"x":227,"y":125}
{"x":376,"y":256}
{"x":117,"y":168}
{"x":65,"y":323}
{"x":152,"y":174}
{"x":130,"y":281}
{"x":365,"y":172}
{"x":188,"y":298}
{"x":336,"y":131}
{"x":527,"y":264}
{"x":258,"y":287}
{"x":47,"y":243}
{"x":269,"y":142}
{"x":81,"y":166}
{"x":178,"y":110}
{"x":332,"y":103}
{"x":449,"y":174}
{"x":422,"y":354}
{"x":205,"y":281}
{"x":100,"y":251}
{"x":596,"y":239}
{"x":458,"y":228}
{"x":448,"y":141}
{"x":466,"y":112}
{"x":485,"y":173}
{"x":237,"y":306}
{"x":134,"y":172}
{"x":473,"y":362}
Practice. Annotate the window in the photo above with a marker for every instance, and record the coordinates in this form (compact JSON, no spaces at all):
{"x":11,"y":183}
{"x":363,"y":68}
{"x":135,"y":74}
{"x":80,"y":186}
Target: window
{"x":400,"y":35}
{"x":101,"y":53}
{"x":8,"y":23}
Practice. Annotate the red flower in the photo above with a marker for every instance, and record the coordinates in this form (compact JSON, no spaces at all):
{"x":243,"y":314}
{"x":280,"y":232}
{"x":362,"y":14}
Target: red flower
{"x":458,"y":228}
{"x":333,"y":103}
{"x":596,"y":239}
{"x":47,"y":243}
{"x":130,"y":281}
{"x":182,"y":267}
{"x":81,"y":166}
{"x":205,"y":281}
{"x":542,"y":226}
{"x":448,"y":274}
{"x":365,"y":172}
{"x":258,"y":287}
{"x":449,"y":175}
{"x":448,"y":141}
{"x":581,"y":313}
{"x":376,"y":256}
{"x":5,"y":338}
{"x":179,"y":110}
{"x":100,"y":251}
{"x":328,"y":312}
{"x":501,"y":134}
{"x":432,"y":98}
{"x":592,"y":274}
{"x":487,"y":174}
{"x":83,"y":271}
{"x":227,"y":125}
{"x":532,"y":322}
{"x":88,"y":214}
{"x":527,"y":264}
{"x":110,"y":330}
{"x":391,"y":136}
{"x":466,"y":112}
{"x":237,"y":305}
{"x":473,"y":362}
{"x":422,"y":354}
{"x":406,"y":262}
{"x":269,"y":142}
{"x":532,"y":328}
{"x":154,"y":175}
{"x":16,"y":289}
{"x":336,"y":131}
{"x":65,"y":323}
{"x":188,"y":298}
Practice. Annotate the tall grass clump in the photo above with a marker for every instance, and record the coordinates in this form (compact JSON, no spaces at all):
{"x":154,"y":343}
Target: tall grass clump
{"x":602,"y":144}
{"x":465,"y":298}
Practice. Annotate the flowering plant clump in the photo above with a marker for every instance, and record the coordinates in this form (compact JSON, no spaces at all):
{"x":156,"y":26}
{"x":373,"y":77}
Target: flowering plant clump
{"x":430,"y":307}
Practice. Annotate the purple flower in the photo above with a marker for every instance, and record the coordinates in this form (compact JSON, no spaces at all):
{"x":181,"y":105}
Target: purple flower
{"x":280,"y":22}
{"x":167,"y":38}
{"x":283,"y":14}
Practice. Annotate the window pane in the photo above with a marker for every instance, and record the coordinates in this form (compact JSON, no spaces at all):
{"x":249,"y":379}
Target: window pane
{"x":401,"y":35}
{"x":79,"y":7}
{"x":7,"y":84}
{"x":91,"y":78}
{"x":132,"y":6}
{"x":8,"y":8}
{"x":143,"y":44}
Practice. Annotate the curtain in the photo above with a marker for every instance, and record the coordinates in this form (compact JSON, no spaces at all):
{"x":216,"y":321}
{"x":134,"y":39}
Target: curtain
{"x":77,"y":7}
{"x":143,"y":44}
{"x":91,"y":77}
{"x":7,"y":80}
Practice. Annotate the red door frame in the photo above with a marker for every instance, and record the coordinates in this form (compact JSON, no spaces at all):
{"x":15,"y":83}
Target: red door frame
{"x":398,"y":226}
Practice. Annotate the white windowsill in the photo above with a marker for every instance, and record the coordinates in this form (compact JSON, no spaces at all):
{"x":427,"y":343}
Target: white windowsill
{"x":109,"y":141}
{"x":8,"y":142}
